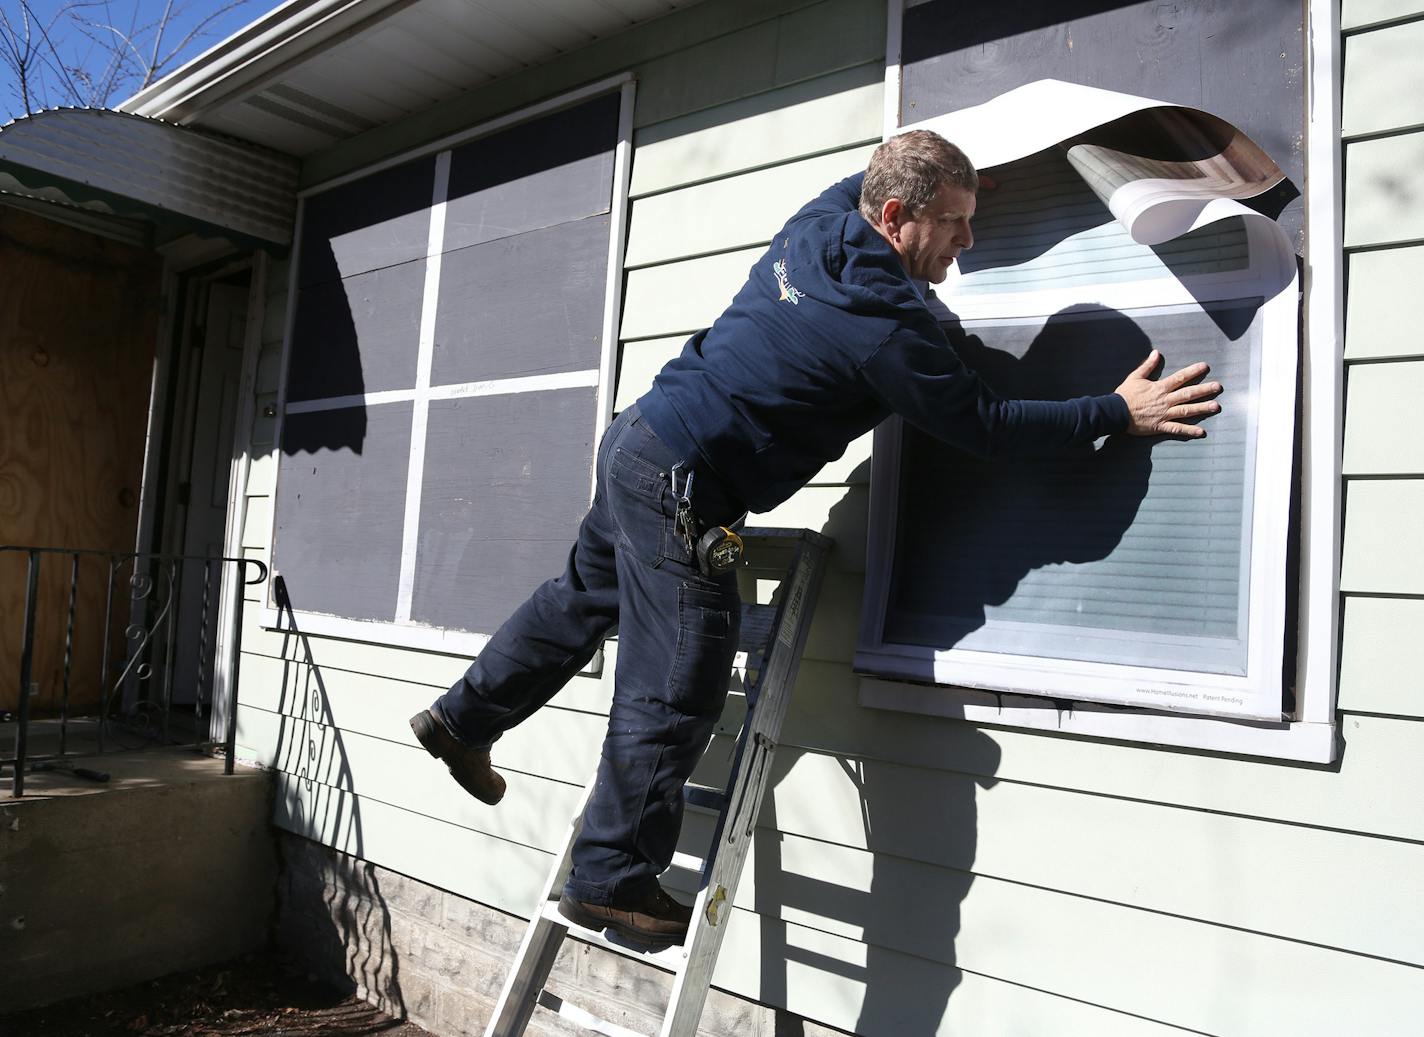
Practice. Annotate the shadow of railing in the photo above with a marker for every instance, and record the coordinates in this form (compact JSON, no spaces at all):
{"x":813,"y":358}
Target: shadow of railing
{"x":353,"y":923}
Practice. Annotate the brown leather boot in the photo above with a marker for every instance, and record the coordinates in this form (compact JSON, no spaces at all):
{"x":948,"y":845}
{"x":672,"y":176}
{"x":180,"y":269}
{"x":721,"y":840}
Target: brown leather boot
{"x":470,"y":767}
{"x":654,"y":918}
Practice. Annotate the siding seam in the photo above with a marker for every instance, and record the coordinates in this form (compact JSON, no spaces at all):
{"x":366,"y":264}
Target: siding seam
{"x":1383,"y":23}
{"x":1347,"y":139}
{"x":1382,"y":246}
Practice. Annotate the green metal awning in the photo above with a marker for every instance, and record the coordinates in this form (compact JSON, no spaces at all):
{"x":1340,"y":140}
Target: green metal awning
{"x":128,"y":165}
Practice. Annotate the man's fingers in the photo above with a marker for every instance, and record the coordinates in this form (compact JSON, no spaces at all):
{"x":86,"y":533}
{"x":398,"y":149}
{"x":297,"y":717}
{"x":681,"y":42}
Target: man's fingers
{"x":1145,"y":369}
{"x":1185,"y":375}
{"x":1176,"y":428}
{"x":1192,"y":393}
{"x":1186,"y":411}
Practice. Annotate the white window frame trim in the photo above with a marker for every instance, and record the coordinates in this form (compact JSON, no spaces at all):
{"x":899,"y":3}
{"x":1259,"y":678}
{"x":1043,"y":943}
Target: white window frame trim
{"x":402,"y":632}
{"x":1312,"y":735}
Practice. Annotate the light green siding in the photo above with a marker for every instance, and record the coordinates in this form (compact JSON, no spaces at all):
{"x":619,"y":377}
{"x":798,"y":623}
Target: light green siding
{"x":750,"y":208}
{"x":1382,"y":565}
{"x":1382,"y":661}
{"x":1386,"y":310}
{"x":915,"y":874}
{"x":809,"y":118}
{"x":1384,"y":537}
{"x":1381,"y":421}
{"x":1359,"y":14}
{"x":1384,"y":80}
{"x":1384,"y":197}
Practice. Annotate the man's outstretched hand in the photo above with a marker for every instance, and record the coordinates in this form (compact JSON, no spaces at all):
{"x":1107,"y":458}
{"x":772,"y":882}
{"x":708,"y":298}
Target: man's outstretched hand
{"x":1162,"y":407}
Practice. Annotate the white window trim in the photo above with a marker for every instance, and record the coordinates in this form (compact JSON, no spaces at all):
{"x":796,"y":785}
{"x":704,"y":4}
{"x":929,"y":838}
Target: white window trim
{"x":401,"y":631}
{"x":1311,"y":736}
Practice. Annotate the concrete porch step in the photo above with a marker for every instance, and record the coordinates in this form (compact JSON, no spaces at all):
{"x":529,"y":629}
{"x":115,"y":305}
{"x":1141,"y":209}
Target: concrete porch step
{"x":169,"y":865}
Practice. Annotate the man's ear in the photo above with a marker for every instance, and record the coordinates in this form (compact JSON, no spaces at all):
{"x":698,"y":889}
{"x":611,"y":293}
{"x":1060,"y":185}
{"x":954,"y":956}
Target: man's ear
{"x":892,"y":214}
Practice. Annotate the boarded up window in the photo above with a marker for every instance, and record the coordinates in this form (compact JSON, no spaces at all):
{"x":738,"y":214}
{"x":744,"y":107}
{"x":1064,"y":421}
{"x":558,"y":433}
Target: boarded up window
{"x":442,"y":386}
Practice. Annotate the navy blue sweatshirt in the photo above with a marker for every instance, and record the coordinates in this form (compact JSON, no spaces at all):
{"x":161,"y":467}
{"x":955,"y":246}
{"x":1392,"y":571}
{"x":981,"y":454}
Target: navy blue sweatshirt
{"x":827,"y":338}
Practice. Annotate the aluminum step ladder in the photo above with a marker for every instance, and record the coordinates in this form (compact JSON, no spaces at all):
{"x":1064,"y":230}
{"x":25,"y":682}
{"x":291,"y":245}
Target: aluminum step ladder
{"x":773,"y":637}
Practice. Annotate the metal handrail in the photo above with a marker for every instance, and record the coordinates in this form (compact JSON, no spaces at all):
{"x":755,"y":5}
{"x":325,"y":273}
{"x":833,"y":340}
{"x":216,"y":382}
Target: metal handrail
{"x":137,"y":669}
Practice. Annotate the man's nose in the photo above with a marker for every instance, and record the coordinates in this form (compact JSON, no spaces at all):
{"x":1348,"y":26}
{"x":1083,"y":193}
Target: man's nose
{"x":965,"y":238}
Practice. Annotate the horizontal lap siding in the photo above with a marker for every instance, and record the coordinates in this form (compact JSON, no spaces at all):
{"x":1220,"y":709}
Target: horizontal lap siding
{"x":1361,"y":14}
{"x":915,"y":874}
{"x":1124,"y":876}
{"x":1382,"y":565}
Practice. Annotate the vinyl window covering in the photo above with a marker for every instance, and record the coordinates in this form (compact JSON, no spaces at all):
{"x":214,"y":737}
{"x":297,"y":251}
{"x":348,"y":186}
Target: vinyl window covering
{"x":442,"y":372}
{"x":1123,"y":572}
{"x":1128,"y":551}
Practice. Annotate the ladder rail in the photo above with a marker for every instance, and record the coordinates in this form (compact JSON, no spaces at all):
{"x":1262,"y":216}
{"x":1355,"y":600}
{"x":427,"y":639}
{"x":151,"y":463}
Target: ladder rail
{"x":537,"y":951}
{"x":732,"y":841}
{"x":782,"y":641}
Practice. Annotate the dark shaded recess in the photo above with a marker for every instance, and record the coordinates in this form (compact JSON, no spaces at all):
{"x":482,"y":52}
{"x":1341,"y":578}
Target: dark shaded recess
{"x":379,"y":220}
{"x":340,"y":514}
{"x":523,"y":305}
{"x":507,"y":481}
{"x":536,"y":174}
{"x":934,"y":28}
{"x":1244,"y":63}
{"x":359,"y":334}
{"x":952,"y":541}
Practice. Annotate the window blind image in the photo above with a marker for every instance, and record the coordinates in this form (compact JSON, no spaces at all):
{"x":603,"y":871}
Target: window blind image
{"x":1041,"y":228}
{"x":1129,"y":551}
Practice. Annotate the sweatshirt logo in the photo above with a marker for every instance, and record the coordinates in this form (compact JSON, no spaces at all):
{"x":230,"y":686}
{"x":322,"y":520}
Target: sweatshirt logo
{"x":788,"y":293}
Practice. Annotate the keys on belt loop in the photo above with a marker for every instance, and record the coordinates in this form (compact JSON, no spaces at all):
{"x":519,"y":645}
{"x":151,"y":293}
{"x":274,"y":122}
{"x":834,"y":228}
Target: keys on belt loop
{"x":684,"y":523}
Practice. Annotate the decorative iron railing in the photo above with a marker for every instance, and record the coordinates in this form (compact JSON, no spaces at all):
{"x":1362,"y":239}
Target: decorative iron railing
{"x":147,"y":669}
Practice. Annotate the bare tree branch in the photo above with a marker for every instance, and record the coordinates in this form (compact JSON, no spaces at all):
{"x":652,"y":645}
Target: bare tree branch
{"x":57,"y":64}
{"x":19,"y":52}
{"x":87,"y":51}
{"x":158,"y":42}
{"x":197,"y":31}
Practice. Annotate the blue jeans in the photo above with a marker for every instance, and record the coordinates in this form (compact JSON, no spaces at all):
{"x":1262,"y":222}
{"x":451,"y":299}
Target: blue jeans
{"x":677,"y":634}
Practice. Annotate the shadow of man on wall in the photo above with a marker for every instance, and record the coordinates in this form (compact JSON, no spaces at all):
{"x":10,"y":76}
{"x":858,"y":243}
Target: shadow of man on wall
{"x":865,"y":843}
{"x":890,"y":922}
{"x":972,"y":529}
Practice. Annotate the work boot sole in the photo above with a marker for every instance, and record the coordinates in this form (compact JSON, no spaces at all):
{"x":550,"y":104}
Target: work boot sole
{"x":575,"y":912}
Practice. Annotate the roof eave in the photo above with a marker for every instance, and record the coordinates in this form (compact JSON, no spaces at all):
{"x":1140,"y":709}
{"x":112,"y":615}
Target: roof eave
{"x":258,"y":50}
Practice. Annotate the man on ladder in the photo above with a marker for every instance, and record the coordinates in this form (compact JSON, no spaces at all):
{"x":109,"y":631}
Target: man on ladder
{"x":827,"y":338}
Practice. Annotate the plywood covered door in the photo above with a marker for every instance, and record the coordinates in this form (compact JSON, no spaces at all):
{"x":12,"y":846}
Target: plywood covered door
{"x":78,"y":326}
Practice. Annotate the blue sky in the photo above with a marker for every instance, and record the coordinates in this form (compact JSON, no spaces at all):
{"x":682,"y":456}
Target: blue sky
{"x":85,"y":62}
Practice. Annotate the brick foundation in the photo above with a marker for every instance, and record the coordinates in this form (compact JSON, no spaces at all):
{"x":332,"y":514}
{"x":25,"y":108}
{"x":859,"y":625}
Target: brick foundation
{"x":440,"y":960}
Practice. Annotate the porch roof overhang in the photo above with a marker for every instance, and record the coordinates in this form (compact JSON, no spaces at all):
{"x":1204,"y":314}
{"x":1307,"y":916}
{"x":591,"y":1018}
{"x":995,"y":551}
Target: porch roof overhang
{"x":120,"y":164}
{"x":312,"y":74}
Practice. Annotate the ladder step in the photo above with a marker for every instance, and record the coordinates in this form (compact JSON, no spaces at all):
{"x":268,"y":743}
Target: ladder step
{"x":688,"y":862}
{"x":577,"y":1016}
{"x":756,"y":630}
{"x":670,"y":959}
{"x":705,"y":796}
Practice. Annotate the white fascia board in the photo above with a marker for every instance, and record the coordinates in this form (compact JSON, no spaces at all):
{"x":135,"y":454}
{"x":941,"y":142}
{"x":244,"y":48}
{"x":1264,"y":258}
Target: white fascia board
{"x":267,"y":45}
